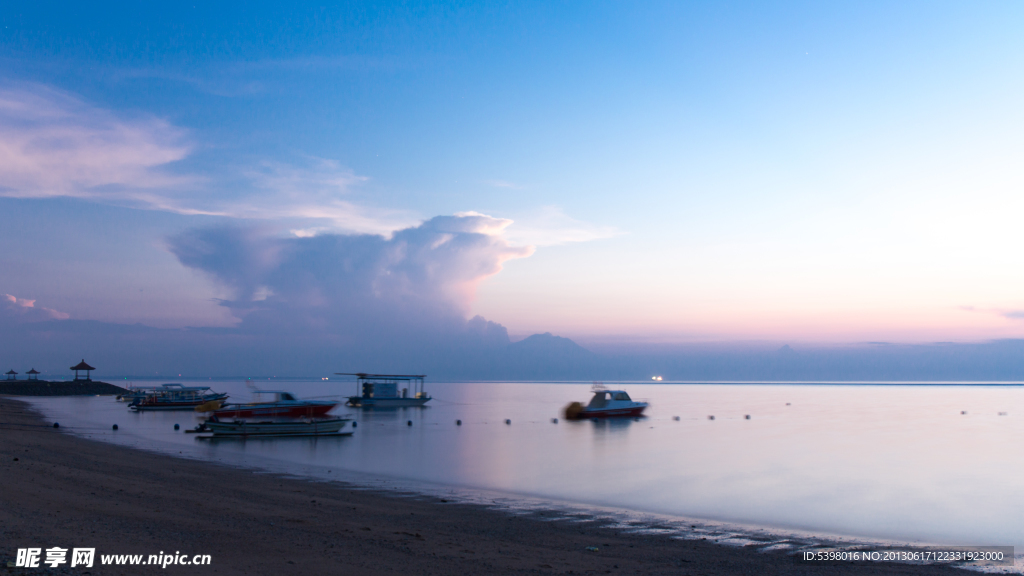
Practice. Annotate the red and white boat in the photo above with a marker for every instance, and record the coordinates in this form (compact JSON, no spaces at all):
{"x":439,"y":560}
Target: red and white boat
{"x":606,"y":404}
{"x":271,"y":403}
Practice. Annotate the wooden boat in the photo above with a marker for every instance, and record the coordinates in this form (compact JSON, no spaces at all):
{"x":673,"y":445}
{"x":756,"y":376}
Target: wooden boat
{"x":606,"y":404}
{"x":278,"y":428}
{"x":175,"y":397}
{"x":137,"y":393}
{"x":382,"y":390}
{"x":270,"y":404}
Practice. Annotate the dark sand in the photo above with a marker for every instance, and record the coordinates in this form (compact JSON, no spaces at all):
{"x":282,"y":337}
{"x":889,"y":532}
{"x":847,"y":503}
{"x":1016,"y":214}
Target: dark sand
{"x":60,"y":490}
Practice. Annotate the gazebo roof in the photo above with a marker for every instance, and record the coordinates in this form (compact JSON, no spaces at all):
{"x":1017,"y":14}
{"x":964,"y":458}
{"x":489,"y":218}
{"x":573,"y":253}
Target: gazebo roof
{"x":32,"y":371}
{"x":82,"y":366}
{"x":11,"y":372}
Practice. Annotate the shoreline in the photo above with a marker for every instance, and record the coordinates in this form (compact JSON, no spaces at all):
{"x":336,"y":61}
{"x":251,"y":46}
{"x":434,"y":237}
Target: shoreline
{"x":69,"y":491}
{"x":59,"y":388}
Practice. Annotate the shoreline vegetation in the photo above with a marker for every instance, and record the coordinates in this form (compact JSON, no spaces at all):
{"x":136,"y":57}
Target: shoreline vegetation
{"x":66,"y":491}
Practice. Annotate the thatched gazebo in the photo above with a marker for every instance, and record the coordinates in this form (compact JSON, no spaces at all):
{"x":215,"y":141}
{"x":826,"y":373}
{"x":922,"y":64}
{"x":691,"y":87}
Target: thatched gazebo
{"x":12,"y":375}
{"x":82,"y":366}
{"x":33,"y":374}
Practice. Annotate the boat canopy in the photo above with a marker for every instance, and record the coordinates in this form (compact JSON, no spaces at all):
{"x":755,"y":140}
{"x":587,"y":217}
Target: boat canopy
{"x":176,"y":387}
{"x":613,"y":394}
{"x":386,"y":385}
{"x":602,"y":397}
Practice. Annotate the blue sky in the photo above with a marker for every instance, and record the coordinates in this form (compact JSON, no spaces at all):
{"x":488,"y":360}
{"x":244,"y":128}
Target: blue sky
{"x":684,"y":172}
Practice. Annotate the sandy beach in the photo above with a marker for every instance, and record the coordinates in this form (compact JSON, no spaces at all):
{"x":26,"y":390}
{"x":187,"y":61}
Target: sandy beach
{"x":61,"y":490}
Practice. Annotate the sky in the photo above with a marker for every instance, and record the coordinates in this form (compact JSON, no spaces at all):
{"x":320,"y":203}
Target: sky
{"x":615,"y":173}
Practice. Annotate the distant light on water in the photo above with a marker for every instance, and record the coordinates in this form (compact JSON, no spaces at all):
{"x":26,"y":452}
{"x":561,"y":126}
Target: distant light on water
{"x":657,"y":378}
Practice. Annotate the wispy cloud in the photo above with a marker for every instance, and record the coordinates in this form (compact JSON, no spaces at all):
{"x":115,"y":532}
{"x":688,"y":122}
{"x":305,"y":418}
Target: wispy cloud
{"x":315,"y":192}
{"x":24,"y":310}
{"x":241,"y":78}
{"x":551,"y":226}
{"x":53,"y":144}
{"x":1005,"y":313}
{"x":503,"y":184}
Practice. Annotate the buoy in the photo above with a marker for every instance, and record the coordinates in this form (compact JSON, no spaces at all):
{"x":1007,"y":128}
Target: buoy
{"x":963,"y":411}
{"x":554,"y":420}
{"x":176,"y":426}
{"x":115,"y":426}
{"x":676,"y":418}
{"x":56,"y":425}
{"x":508,"y":421}
{"x":354,"y":424}
{"x":711,"y":417}
{"x":409,"y":423}
{"x":747,"y":416}
{"x":458,"y":422}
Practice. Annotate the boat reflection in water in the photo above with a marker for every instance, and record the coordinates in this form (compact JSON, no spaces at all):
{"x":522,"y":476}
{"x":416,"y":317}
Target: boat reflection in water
{"x":214,"y":428}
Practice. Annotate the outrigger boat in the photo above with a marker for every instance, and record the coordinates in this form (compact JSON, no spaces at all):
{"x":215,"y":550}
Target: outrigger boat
{"x":381,"y":390}
{"x":175,"y":397}
{"x":136,"y":393}
{"x":246,"y":429}
{"x":606,"y":404}
{"x":269,"y":403}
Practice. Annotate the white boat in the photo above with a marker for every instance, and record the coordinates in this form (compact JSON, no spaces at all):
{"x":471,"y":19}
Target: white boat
{"x":382,"y":390}
{"x":271,"y":428}
{"x":606,"y":404}
{"x":136,"y":393}
{"x":173,"y":397}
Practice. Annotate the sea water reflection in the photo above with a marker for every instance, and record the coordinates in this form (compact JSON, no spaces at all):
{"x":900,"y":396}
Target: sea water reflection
{"x":912,"y":463}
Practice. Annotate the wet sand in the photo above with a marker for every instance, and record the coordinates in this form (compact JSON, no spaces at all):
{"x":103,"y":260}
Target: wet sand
{"x":61,"y":490}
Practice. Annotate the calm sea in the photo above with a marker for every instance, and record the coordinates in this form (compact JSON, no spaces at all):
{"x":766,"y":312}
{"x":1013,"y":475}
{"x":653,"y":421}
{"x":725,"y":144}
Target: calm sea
{"x":912,"y":463}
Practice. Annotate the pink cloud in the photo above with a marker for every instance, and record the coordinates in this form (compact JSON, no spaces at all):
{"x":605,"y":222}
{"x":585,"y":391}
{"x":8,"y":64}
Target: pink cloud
{"x":52,"y":144}
{"x":24,"y":310}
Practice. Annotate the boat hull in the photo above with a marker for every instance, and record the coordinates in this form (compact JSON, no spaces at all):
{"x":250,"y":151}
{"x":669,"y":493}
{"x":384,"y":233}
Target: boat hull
{"x":175,"y":404}
{"x":245,"y":429}
{"x":613,"y":413}
{"x":307,"y":411}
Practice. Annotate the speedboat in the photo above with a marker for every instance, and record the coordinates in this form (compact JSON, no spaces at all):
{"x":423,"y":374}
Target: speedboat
{"x":270,"y":403}
{"x":247,"y":428}
{"x":606,"y":404}
{"x":175,"y":397}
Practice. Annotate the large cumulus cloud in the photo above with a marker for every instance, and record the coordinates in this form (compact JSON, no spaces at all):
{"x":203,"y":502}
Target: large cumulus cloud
{"x":358,"y":290}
